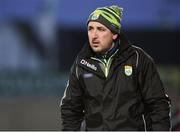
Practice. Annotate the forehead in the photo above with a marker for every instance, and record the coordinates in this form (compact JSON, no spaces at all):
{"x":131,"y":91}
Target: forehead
{"x":95,"y":24}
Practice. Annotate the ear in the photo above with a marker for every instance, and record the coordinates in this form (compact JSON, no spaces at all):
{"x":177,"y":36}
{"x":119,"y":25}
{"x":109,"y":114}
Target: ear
{"x":115,"y":36}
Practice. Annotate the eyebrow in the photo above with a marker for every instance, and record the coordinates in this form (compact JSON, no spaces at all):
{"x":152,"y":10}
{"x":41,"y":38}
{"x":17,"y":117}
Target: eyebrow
{"x":96,"y":27}
{"x":90,"y":27}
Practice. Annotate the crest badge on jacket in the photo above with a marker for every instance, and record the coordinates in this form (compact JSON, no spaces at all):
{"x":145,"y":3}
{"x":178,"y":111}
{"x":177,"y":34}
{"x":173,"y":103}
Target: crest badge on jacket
{"x":128,"y":70}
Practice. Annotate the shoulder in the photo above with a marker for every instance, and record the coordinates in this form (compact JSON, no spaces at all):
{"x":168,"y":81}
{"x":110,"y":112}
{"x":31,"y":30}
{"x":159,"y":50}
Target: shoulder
{"x":86,"y":51}
{"x":143,"y":59}
{"x":142,"y":54}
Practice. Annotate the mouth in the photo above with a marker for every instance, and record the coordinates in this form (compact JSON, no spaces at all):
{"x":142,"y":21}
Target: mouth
{"x":95,"y":45}
{"x":95,"y":42}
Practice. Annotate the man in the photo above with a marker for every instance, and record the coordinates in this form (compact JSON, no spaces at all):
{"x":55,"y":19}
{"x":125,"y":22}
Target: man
{"x":113,"y":85}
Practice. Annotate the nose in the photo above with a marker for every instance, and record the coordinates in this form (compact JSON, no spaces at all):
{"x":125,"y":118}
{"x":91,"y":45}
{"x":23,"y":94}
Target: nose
{"x":94,"y":34}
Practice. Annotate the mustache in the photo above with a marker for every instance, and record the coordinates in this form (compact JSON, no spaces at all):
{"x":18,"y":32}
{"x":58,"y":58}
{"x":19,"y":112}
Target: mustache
{"x":95,"y":40}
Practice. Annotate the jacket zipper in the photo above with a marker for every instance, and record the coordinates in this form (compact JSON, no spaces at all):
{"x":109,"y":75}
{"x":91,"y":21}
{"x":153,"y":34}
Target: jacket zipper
{"x":106,"y":65}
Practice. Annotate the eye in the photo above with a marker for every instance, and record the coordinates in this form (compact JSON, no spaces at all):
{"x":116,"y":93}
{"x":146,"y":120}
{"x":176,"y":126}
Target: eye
{"x":101,"y":29}
{"x":90,"y":28}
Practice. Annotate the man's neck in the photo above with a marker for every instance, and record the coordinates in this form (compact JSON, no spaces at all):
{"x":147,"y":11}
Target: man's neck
{"x":107,"y":54}
{"x":112,"y":46}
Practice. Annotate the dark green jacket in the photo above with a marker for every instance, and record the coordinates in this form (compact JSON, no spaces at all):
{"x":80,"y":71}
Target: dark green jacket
{"x":131,"y":97}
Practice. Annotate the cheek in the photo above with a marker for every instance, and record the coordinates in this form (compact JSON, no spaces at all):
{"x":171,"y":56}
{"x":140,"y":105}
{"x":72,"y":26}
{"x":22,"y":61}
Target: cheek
{"x":89,"y":34}
{"x":106,"y":36}
{"x":89,"y":37}
{"x":107,"y":39}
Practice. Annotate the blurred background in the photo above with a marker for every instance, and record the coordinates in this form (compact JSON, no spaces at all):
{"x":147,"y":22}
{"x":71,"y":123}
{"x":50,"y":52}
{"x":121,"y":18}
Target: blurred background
{"x":39,"y":39}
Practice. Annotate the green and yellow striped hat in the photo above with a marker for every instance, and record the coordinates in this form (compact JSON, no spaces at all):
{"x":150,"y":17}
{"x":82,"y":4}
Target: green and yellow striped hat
{"x":110,"y":16}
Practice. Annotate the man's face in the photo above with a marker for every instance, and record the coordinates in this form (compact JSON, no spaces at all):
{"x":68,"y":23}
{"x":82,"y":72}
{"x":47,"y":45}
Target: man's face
{"x":100,"y":37}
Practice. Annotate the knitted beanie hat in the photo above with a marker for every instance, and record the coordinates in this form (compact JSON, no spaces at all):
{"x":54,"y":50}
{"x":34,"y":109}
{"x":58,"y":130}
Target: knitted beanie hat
{"x":109,"y":16}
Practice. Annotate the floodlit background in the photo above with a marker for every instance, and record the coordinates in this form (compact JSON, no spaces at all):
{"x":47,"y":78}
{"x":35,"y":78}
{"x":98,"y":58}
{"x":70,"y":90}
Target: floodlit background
{"x":39,"y":39}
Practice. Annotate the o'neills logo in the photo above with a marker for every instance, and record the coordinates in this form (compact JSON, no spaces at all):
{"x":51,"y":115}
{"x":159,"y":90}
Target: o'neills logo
{"x":92,"y":66}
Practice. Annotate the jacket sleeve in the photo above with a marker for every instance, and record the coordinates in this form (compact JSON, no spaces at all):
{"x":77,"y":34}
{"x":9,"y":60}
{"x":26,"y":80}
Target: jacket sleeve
{"x":156,"y":101}
{"x":72,"y":104}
